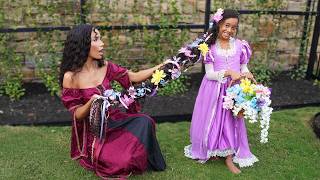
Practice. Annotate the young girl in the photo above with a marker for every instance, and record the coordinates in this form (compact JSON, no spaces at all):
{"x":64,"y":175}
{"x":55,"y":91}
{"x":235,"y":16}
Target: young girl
{"x":214,"y":130}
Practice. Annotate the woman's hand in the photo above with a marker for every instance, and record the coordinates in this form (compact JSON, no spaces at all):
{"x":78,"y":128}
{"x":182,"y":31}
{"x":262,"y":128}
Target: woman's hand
{"x":95,"y":96}
{"x":162,"y":64}
{"x":83,"y":111}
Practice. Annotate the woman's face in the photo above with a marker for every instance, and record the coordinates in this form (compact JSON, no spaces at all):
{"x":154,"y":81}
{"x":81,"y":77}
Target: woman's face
{"x":96,"y":49}
{"x":228,"y":28}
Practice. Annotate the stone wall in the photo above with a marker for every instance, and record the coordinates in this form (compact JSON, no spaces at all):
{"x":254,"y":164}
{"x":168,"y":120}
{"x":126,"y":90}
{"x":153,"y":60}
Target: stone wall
{"x":275,"y":39}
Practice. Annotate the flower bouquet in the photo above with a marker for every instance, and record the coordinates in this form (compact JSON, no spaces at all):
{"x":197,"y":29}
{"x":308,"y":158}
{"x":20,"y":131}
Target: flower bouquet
{"x":252,"y":101}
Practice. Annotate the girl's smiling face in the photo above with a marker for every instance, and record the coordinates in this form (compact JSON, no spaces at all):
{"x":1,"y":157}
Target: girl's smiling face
{"x":228,"y":28}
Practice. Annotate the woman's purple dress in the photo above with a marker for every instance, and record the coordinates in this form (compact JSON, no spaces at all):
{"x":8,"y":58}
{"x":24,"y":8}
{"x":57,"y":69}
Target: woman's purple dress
{"x":130,"y":144}
{"x":214,"y":130}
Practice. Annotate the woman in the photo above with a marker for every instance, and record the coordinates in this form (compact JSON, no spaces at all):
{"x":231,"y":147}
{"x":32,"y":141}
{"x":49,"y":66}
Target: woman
{"x":130,"y":144}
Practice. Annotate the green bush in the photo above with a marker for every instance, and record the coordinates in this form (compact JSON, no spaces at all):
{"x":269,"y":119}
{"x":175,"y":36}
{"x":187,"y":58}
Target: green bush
{"x":174,"y":87}
{"x":261,"y":72}
{"x":10,"y":69}
{"x":299,"y":72}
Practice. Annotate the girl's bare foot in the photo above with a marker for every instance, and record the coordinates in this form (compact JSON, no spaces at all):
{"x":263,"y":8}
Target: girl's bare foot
{"x":231,"y":166}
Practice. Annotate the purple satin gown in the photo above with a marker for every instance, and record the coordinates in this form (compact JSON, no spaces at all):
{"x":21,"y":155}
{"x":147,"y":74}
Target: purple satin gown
{"x":215,"y":131}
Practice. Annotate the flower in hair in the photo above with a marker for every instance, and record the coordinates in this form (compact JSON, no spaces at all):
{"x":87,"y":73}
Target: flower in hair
{"x":218,"y":15}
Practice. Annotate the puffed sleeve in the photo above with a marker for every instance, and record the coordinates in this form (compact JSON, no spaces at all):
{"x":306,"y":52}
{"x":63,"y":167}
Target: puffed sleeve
{"x":208,"y":58}
{"x":71,"y":99}
{"x":246,"y":52}
{"x":119,"y":74}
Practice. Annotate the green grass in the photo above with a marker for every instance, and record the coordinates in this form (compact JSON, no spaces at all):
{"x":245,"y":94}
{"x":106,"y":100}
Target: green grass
{"x":293,"y":152}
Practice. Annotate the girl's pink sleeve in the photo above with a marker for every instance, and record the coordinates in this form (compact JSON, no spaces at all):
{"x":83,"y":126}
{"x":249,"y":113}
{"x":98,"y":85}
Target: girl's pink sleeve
{"x":208,"y":58}
{"x":246,"y":52}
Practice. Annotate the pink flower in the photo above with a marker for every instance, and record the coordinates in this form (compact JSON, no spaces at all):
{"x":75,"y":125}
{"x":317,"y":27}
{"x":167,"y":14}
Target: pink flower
{"x":132,"y":92}
{"x":175,"y":73}
{"x":228,"y":102}
{"x":186,"y":52}
{"x":217,"y":16}
{"x":126,"y":101}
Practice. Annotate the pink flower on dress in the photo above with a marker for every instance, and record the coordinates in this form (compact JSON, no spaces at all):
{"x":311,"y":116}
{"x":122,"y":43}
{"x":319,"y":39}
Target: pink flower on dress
{"x":217,"y":16}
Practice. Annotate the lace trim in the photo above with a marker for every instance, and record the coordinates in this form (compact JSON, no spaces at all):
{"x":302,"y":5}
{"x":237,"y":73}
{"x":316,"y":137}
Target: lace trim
{"x":226,"y":52}
{"x":187,"y":152}
{"x":220,"y":153}
{"x":243,"y":162}
{"x":92,"y":149}
{"x":246,"y":162}
{"x":221,"y":78}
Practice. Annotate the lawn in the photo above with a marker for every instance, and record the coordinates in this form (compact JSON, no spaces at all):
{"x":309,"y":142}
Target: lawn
{"x":292,"y":152}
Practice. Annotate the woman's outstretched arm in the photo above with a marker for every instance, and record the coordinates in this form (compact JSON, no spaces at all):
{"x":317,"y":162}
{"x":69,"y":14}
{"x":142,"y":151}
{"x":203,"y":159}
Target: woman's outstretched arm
{"x":143,"y":74}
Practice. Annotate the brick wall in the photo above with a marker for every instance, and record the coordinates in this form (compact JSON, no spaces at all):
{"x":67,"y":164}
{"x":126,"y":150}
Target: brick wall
{"x":37,"y":13}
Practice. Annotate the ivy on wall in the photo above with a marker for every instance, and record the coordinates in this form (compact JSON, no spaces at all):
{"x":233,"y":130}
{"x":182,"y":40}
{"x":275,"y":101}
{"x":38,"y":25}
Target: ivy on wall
{"x":10,"y":69}
{"x":134,"y":49}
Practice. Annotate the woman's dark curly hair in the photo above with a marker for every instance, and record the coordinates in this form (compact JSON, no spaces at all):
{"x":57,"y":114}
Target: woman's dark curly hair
{"x":227,"y":13}
{"x":76,"y":50}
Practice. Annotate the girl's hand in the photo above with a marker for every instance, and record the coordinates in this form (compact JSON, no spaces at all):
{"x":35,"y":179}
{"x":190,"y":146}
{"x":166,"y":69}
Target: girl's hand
{"x":235,"y":76}
{"x":247,"y":75}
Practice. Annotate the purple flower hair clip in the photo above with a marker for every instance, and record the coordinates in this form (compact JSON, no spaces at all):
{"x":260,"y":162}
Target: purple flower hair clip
{"x":218,"y":15}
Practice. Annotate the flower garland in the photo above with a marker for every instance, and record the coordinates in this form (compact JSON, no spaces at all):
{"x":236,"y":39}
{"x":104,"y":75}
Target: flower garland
{"x":254,"y":100}
{"x":251,"y":100}
{"x":187,"y":56}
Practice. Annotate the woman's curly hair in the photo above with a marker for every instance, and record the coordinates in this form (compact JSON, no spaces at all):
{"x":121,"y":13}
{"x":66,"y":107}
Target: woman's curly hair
{"x":76,"y":50}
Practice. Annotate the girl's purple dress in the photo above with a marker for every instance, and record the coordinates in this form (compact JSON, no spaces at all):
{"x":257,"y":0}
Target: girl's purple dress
{"x":214,"y":130}
{"x":130,"y":144}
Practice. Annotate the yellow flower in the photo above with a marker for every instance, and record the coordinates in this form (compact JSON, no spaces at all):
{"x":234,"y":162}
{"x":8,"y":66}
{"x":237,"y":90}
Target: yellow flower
{"x":203,"y":48}
{"x":157,"y":77}
{"x":246,"y":86}
{"x":245,"y":82}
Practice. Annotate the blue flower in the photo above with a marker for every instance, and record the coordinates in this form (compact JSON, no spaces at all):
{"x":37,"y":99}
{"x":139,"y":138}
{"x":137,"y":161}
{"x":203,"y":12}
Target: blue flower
{"x":253,"y":103}
{"x":140,"y":92}
{"x":239,"y":99}
{"x":195,"y":43}
{"x":162,"y":82}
